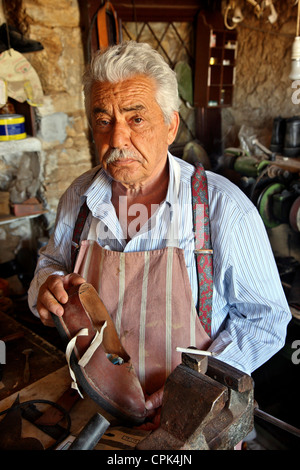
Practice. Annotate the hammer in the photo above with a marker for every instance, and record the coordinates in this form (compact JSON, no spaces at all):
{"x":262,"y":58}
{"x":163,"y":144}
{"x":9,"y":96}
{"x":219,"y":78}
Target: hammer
{"x":26,"y":376}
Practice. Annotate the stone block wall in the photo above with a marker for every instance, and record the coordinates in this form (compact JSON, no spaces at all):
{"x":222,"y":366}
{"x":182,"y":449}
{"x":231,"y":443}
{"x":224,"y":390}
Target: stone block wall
{"x":262,"y":92}
{"x":62,"y":125}
{"x":263,"y":89}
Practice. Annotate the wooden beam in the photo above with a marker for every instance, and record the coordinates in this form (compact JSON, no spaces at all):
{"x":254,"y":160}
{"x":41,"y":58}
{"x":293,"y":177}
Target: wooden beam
{"x":154,"y":10}
{"x":157,"y":10}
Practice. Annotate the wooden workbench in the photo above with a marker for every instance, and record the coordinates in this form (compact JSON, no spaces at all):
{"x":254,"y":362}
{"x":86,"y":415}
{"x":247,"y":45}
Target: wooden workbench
{"x":52,"y":387}
{"x":49,"y":380}
{"x":44,"y":357}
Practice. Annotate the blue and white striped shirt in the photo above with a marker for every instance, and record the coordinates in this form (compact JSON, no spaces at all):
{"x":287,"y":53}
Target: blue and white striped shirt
{"x":249,"y":311}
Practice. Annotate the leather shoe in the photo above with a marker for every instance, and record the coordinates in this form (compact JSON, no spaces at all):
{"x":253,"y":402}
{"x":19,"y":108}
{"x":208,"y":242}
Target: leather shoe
{"x":98,"y":363}
{"x":12,"y":38}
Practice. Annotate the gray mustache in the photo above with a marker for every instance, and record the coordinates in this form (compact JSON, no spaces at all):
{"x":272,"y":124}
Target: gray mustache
{"x":117,"y":154}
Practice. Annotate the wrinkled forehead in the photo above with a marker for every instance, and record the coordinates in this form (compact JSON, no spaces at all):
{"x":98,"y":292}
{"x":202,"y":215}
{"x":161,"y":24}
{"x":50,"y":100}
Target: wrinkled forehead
{"x":138,"y":92}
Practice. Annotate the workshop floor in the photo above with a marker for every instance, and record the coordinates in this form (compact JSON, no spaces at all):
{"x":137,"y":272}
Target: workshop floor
{"x":276,"y":385}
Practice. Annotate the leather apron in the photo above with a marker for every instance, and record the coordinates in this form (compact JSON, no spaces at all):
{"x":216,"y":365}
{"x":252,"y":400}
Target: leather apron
{"x":149,"y":298}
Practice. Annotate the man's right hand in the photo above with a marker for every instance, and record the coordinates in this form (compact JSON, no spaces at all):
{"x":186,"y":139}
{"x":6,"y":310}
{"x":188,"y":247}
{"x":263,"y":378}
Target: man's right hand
{"x":52,"y":296}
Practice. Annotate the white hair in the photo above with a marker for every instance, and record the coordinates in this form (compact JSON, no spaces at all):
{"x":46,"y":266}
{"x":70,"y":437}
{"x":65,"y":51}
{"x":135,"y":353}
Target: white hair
{"x":125,"y":60}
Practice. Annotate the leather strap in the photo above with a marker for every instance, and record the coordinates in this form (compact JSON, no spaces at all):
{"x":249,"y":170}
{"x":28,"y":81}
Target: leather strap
{"x":104,"y":16}
{"x":81,"y":218}
{"x":203,"y":251}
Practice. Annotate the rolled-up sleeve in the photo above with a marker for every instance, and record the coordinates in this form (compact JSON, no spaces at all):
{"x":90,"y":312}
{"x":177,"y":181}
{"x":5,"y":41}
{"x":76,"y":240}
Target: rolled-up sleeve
{"x":53,"y":259}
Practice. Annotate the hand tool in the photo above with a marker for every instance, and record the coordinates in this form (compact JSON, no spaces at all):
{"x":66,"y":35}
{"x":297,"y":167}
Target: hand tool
{"x":29,"y":411}
{"x":207,"y":405}
{"x":27,"y":353}
{"x":50,"y":421}
{"x":276,"y":422}
{"x":199,"y":352}
{"x":91,"y":433}
{"x":11,"y":431}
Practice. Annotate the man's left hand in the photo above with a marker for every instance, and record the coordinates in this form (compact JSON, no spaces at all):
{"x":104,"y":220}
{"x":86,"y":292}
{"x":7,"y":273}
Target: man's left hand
{"x":154,"y":401}
{"x":153,"y":406}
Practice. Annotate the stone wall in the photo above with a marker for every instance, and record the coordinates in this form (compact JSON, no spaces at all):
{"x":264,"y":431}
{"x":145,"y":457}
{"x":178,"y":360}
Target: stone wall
{"x":263,"y":89}
{"x":61,"y":123}
{"x":62,"y":126}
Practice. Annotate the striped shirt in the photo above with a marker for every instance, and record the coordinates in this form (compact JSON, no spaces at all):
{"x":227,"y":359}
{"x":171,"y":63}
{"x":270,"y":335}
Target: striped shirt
{"x":249,"y":310}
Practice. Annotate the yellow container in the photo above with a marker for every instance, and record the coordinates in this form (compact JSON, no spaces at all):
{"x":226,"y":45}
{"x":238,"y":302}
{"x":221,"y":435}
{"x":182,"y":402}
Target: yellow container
{"x":12,"y":127}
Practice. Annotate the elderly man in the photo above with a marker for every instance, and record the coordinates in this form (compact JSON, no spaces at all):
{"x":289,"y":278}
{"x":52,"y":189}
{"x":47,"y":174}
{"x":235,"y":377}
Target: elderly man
{"x":137,"y":240}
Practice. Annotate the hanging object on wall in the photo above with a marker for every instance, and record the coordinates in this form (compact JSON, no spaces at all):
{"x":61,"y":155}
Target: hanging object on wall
{"x":233,"y":15}
{"x":257,"y":7}
{"x":295,"y":66}
{"x":104,"y":30}
{"x":19,"y":80}
{"x":185,"y":82}
{"x":107,"y":26}
{"x":273,"y":13}
{"x":10,"y":37}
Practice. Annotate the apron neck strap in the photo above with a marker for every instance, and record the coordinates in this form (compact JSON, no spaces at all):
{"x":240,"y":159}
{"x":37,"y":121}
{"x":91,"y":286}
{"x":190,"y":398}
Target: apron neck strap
{"x":173,"y":231}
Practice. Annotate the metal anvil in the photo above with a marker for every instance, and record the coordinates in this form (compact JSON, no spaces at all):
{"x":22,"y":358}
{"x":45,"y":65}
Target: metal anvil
{"x":207,"y":405}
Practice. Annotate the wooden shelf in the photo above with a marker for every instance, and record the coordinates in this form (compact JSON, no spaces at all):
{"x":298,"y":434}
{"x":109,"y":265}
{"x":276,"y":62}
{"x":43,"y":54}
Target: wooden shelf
{"x":7,"y":219}
{"x":30,"y":144}
{"x":215,"y":62}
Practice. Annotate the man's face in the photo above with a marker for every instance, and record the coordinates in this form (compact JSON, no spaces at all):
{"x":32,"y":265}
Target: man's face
{"x":125,"y":116}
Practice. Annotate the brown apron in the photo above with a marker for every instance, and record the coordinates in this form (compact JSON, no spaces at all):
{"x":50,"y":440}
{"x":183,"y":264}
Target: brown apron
{"x":149,"y":298}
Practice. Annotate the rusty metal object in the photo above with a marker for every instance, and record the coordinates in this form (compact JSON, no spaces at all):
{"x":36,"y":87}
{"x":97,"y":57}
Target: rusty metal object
{"x":207,"y":405}
{"x":11,"y":431}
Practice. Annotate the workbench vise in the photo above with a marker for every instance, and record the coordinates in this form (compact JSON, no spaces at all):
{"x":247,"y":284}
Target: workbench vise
{"x":207,"y":405}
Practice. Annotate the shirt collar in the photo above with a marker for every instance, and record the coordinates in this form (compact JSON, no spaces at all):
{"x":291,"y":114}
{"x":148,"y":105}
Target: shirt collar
{"x":171,"y":197}
{"x":99,"y":191}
